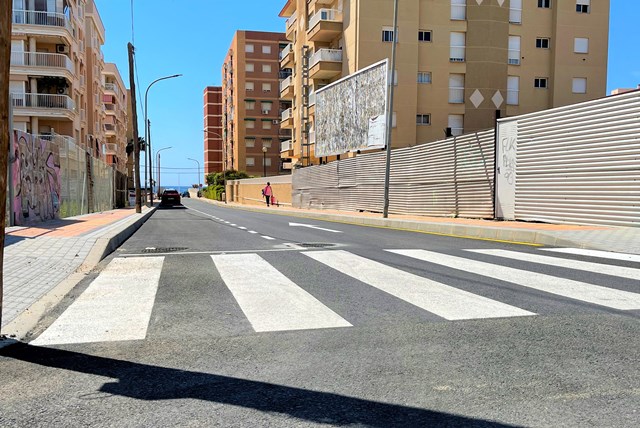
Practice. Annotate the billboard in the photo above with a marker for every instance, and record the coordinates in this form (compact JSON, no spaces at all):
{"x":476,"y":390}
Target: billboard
{"x":351,"y":113}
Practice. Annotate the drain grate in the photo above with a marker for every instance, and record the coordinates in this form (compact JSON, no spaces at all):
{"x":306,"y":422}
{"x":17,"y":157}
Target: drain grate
{"x":315,"y":245}
{"x":153,"y":250}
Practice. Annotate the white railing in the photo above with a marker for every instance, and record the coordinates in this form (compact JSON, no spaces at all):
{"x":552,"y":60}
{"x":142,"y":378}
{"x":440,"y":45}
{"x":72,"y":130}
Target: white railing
{"x":111,"y":87}
{"x":291,"y":20}
{"x":287,"y":114}
{"x":57,"y":138}
{"x":111,"y":148}
{"x":48,"y":101}
{"x":312,"y":99}
{"x":287,"y":165}
{"x":334,"y":55}
{"x":285,"y":51}
{"x":333,"y":15}
{"x":286,"y":83}
{"x":286,"y":145}
{"x":456,"y":95}
{"x":37,"y":59}
{"x":514,"y":57}
{"x":32,"y":17}
{"x":456,"y":54}
{"x":312,"y":137}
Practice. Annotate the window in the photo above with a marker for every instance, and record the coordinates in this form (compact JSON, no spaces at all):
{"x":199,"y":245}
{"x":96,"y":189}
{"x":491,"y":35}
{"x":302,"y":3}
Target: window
{"x":456,"y":49}
{"x":249,"y":105}
{"x":456,"y":123}
{"x":265,"y":107}
{"x":546,"y":4}
{"x":267,"y":161}
{"x":249,"y":67}
{"x":266,"y":49}
{"x":513,"y":90}
{"x":540,"y":82}
{"x":266,"y":124}
{"x":250,"y":124}
{"x":581,"y":45}
{"x":423,"y":119}
{"x":458,"y":10}
{"x":266,"y":68}
{"x":456,"y":88}
{"x":579,"y":85}
{"x":514,"y":50}
{"x":251,"y":162}
{"x":424,"y":77}
{"x":583,"y":6}
{"x":542,"y":43}
{"x":387,"y":34}
{"x":248,"y":48}
{"x":515,"y":12}
{"x":266,"y":87}
{"x":424,"y":36}
{"x":248,"y":86}
{"x":250,"y":142}
{"x":266,"y":142}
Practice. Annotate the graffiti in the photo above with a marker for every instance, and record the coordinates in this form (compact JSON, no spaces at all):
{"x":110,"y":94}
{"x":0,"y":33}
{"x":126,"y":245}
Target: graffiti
{"x":508,"y":167}
{"x":35,"y":172}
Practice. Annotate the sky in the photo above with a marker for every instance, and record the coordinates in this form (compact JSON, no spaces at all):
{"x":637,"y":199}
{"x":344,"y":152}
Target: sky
{"x":191,"y":37}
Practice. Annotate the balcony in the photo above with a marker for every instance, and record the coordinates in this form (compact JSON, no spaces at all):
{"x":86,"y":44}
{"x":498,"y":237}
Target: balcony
{"x":312,"y":103}
{"x":111,"y":149}
{"x":42,"y":23}
{"x":314,"y":4}
{"x":286,"y":120}
{"x":286,"y":146}
{"x":43,"y":105}
{"x":62,"y":141}
{"x":286,"y":56}
{"x":312,"y":137}
{"x":112,"y":87}
{"x":290,"y":26}
{"x":286,"y":166}
{"x":41,"y":64}
{"x":325,"y":64}
{"x":286,"y":88}
{"x":325,"y":25}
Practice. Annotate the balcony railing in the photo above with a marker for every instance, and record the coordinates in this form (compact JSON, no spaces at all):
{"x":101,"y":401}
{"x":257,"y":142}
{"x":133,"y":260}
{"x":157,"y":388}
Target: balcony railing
{"x":334,"y":55}
{"x":285,"y":51}
{"x":286,"y":83}
{"x":312,"y":137}
{"x":111,"y":87}
{"x":37,"y":59}
{"x":32,"y":17}
{"x":312,"y":99}
{"x":287,"y":114}
{"x":291,"y":20}
{"x":286,"y":145}
{"x":60,"y":140}
{"x":325,"y":15}
{"x":111,"y":149}
{"x":47,"y":101}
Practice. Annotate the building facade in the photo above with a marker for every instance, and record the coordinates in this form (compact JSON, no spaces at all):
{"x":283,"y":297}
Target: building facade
{"x":251,"y":104}
{"x":213,"y":148}
{"x":459,"y":62}
{"x":115,"y":123}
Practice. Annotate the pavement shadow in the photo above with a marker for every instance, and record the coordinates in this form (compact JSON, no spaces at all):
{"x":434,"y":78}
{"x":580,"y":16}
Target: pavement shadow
{"x":35,"y":230}
{"x":147,"y":382}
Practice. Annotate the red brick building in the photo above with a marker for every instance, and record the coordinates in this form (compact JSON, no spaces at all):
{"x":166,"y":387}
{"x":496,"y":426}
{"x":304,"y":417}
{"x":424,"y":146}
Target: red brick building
{"x":213,"y":150}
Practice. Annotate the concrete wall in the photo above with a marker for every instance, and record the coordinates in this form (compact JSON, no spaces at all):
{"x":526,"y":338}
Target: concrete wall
{"x":248,"y":191}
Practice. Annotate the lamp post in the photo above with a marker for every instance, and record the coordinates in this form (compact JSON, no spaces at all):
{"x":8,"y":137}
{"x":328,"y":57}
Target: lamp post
{"x":264,"y":161}
{"x":224,"y":162}
{"x":146,"y":134}
{"x":385,"y":211}
{"x":198,"y":183}
{"x":158,"y":162}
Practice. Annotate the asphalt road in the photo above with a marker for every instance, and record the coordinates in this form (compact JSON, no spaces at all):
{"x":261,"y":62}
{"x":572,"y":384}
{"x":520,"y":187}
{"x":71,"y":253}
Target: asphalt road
{"x":238,"y":318}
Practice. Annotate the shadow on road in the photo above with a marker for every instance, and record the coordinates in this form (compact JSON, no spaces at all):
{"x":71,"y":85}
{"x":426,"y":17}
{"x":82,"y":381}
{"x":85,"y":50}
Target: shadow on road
{"x":147,"y":382}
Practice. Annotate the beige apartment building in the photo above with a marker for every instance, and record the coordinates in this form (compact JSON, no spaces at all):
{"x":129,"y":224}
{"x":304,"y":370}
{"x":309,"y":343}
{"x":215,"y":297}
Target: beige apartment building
{"x":251,"y":104}
{"x":56,"y":71}
{"x":115,"y":122}
{"x":459,"y":62}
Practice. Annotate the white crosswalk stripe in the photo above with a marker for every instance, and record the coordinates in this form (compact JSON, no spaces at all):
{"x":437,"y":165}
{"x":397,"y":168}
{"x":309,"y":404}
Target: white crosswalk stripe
{"x":448,"y":302}
{"x":596,"y":253}
{"x":270,"y":301}
{"x":603,"y":296}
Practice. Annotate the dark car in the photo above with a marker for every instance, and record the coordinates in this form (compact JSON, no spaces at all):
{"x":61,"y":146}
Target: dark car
{"x":186,"y":194}
{"x":170,"y":197}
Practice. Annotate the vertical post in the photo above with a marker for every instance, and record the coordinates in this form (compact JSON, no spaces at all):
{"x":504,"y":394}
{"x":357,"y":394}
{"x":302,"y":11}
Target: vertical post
{"x":385,"y":212}
{"x":495,"y":164}
{"x":150,"y":165}
{"x":136,"y":143}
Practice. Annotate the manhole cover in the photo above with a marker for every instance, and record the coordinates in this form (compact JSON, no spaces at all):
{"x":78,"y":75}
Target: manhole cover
{"x":315,"y":245}
{"x":154,"y":250}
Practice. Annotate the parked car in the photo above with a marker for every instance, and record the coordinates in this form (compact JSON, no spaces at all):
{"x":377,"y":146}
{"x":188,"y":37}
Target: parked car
{"x":186,"y":194}
{"x":170,"y":197}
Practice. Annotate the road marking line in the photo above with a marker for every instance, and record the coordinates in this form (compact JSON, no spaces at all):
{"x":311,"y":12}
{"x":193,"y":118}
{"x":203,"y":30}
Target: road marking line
{"x":619,"y":271}
{"x":233,"y":225}
{"x":596,"y":253}
{"x":116,"y":306}
{"x":270,"y":300}
{"x":252,"y":231}
{"x":242,"y":228}
{"x":445,"y":301}
{"x":311,"y":226}
{"x":268,"y":237}
{"x":603,"y":296}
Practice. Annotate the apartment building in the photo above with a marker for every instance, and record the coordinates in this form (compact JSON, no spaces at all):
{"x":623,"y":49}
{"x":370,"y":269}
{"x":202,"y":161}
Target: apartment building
{"x":251,"y":104}
{"x":213,"y":130}
{"x":458,"y":61}
{"x":115,"y":103}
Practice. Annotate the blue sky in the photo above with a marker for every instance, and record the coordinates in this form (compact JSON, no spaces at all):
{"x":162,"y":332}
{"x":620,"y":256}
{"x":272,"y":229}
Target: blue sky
{"x":191,"y":37}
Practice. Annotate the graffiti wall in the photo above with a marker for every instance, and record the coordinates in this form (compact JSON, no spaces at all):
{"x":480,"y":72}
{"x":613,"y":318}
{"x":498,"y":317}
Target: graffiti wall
{"x":35,"y":174}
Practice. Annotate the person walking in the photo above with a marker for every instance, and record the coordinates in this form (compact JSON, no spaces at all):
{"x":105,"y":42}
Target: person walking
{"x":267,"y":192}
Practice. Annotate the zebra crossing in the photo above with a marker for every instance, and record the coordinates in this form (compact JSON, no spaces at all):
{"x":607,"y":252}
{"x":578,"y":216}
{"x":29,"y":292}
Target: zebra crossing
{"x":118,"y":304}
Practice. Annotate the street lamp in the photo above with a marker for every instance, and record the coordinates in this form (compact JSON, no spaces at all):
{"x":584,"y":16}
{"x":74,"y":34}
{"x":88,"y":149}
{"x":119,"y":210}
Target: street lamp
{"x":387,"y":170}
{"x":264,"y":161}
{"x":158,"y":162}
{"x":146,"y":134}
{"x":198,"y":183}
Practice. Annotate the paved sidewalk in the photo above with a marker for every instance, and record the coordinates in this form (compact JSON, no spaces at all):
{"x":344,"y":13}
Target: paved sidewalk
{"x":45,"y":261}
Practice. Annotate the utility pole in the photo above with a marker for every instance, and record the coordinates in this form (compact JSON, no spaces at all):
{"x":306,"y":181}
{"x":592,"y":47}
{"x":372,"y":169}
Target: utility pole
{"x":136,"y":142}
{"x":5,"y":63}
{"x":387,"y":170}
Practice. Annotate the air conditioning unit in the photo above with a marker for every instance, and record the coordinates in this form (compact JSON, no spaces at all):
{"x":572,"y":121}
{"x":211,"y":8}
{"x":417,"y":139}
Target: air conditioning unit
{"x":276,"y":121}
{"x":62,"y":49}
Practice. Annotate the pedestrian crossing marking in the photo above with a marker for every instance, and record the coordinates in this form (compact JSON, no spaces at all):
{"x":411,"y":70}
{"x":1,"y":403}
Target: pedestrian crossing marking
{"x":116,"y":306}
{"x":445,"y":301}
{"x":596,"y":253}
{"x":620,"y":271}
{"x":603,"y":296}
{"x":270,"y":300}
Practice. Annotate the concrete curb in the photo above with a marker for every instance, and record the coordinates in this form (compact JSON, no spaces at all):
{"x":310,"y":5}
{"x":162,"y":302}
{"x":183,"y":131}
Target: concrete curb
{"x":24,"y":323}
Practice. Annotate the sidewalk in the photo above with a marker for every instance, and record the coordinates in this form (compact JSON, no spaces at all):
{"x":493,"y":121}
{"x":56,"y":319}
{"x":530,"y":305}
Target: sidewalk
{"x":44,"y":262}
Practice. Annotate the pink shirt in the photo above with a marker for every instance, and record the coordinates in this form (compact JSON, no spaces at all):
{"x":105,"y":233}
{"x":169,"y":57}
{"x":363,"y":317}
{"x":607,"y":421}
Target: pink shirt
{"x":267,"y":191}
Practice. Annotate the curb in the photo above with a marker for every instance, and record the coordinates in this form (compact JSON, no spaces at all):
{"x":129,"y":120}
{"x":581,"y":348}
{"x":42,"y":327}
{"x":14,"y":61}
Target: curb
{"x":24,"y":323}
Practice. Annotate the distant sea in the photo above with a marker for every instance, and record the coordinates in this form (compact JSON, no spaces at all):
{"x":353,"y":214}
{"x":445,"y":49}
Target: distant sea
{"x":180,"y":189}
